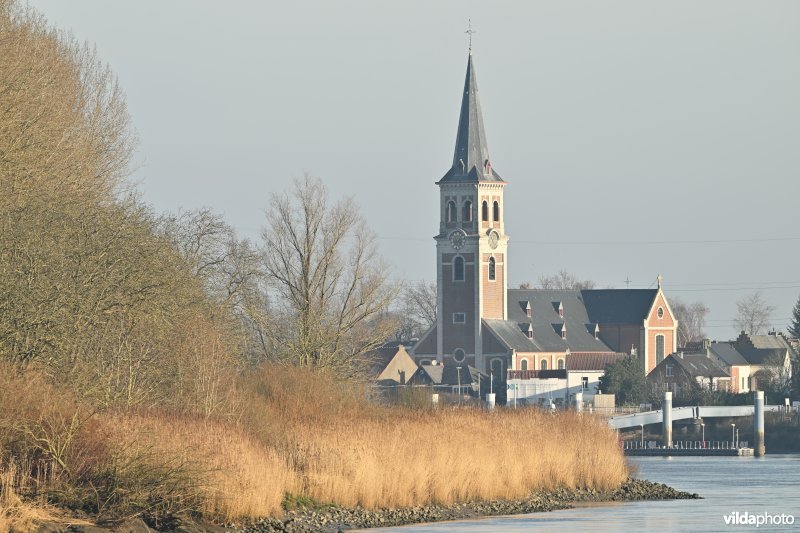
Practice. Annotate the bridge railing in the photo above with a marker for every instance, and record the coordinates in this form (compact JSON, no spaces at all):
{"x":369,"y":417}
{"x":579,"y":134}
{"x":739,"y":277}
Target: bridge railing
{"x":686,"y":444}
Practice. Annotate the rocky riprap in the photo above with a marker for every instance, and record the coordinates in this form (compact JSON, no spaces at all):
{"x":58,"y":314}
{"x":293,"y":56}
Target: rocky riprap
{"x":334,"y":519}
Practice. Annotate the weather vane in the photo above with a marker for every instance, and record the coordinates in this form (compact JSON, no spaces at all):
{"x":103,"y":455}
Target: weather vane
{"x":469,"y":32}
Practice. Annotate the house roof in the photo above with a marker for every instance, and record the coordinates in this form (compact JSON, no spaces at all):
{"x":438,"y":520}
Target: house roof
{"x":400,"y":365}
{"x":547,"y":323}
{"x":510,"y":334}
{"x":449,"y":374}
{"x":762,"y":349}
{"x":472,"y":152}
{"x":592,"y":361}
{"x":728,"y":353}
{"x":698,"y":365}
{"x":618,"y":306}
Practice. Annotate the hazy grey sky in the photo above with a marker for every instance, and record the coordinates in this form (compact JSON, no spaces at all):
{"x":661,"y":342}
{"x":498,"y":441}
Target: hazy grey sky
{"x":619,"y":125}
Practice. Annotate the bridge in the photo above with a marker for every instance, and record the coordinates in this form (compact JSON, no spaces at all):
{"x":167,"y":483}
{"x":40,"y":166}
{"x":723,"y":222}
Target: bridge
{"x":667,"y":414}
{"x":684,"y":413}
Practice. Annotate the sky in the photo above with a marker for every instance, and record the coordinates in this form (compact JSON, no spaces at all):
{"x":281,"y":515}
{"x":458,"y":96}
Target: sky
{"x":636,"y":137}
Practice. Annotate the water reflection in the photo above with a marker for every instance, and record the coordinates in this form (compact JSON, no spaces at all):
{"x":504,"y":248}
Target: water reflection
{"x":756,"y":485}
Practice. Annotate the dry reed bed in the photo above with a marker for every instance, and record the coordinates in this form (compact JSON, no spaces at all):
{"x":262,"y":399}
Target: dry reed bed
{"x":304,"y":434}
{"x":454,"y":455}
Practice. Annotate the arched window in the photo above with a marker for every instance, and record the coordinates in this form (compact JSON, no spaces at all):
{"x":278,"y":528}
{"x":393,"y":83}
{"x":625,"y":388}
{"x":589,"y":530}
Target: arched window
{"x":451,"y":211}
{"x":497,"y":368}
{"x":485,"y":211}
{"x":492,"y":269}
{"x":524,"y":364}
{"x":544,"y":364}
{"x":561,"y":364}
{"x":496,"y":211}
{"x":466,"y":216}
{"x":458,"y":269}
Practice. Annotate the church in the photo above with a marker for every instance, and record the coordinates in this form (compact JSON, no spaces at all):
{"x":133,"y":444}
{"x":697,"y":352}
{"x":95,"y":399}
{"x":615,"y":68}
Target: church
{"x":483,"y":324}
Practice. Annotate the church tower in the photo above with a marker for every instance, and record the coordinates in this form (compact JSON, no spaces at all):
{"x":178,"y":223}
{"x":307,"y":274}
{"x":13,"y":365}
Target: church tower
{"x":471,"y":247}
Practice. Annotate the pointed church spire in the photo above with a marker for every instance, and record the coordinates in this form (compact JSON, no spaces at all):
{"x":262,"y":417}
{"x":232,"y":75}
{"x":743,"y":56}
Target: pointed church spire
{"x":471,"y":159}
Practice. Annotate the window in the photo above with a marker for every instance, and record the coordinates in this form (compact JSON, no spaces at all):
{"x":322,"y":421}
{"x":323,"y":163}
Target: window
{"x":459,"y":318}
{"x":458,"y":269}
{"x":543,"y":364}
{"x":451,"y":211}
{"x":496,"y":211}
{"x":492,"y":269}
{"x":459,"y":355}
{"x":497,"y":367}
{"x":669,"y":371}
{"x":584,"y":382}
{"x":660,"y":312}
{"x":659,"y":348}
{"x":528,"y":310}
{"x":530,"y":331}
{"x":564,"y":331}
{"x":561,"y":364}
{"x":485,"y":211}
{"x":524,"y":364}
{"x":466,"y":215}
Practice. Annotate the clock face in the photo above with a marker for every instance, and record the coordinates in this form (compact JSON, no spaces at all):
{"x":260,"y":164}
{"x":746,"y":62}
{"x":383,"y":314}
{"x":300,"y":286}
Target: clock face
{"x":457,"y":239}
{"x":494,"y":238}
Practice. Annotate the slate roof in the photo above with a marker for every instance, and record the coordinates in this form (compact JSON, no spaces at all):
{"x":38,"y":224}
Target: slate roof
{"x":449,"y":374}
{"x":511,"y":335}
{"x":727,"y":353}
{"x":618,"y":306}
{"x":547,"y":323}
{"x":472,"y":152}
{"x":698,"y":365}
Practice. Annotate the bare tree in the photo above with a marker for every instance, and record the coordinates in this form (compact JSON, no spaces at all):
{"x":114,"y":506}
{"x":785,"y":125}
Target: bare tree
{"x":420,"y":300}
{"x":331,"y":289}
{"x":564,"y":280}
{"x":754,"y":314}
{"x":691,"y":320}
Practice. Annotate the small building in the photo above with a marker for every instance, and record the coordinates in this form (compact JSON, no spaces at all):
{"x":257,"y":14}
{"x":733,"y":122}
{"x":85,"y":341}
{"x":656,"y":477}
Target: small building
{"x":453,"y":379}
{"x":399,"y":370}
{"x":584,"y":371}
{"x":685,"y":374}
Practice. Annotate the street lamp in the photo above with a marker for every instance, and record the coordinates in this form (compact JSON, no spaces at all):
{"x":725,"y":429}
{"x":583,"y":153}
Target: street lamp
{"x":733,"y":433}
{"x":703,"y":427}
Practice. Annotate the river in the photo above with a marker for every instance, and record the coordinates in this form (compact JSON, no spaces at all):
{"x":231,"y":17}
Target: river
{"x":727,"y":484}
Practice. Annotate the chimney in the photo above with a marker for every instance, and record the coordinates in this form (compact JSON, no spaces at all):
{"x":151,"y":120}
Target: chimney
{"x":706,"y":345}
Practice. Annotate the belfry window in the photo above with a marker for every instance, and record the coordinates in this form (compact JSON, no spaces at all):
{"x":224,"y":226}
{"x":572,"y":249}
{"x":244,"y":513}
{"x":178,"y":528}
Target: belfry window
{"x":496,"y":211}
{"x":485,"y":211}
{"x":466,"y":215}
{"x":451,"y":211}
{"x":492,"y":269}
{"x":458,"y":269}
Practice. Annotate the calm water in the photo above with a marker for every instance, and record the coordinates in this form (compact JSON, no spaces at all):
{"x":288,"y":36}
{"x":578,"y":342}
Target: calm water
{"x":770,"y":484}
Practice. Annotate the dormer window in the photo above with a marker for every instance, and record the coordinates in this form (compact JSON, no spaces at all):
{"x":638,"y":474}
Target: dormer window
{"x":528,"y":310}
{"x":530,"y":331}
{"x":451,"y":211}
{"x":564,"y":331}
{"x":466,"y":215}
{"x":597,"y":331}
{"x":485,"y":211}
{"x":561,"y":309}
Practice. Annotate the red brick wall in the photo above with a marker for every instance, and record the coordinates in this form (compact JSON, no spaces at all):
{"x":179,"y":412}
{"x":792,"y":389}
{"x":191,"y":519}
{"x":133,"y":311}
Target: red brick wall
{"x":493,"y":290}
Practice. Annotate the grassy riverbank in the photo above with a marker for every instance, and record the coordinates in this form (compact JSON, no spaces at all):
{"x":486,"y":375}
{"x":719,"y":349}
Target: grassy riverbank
{"x":296,"y":434}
